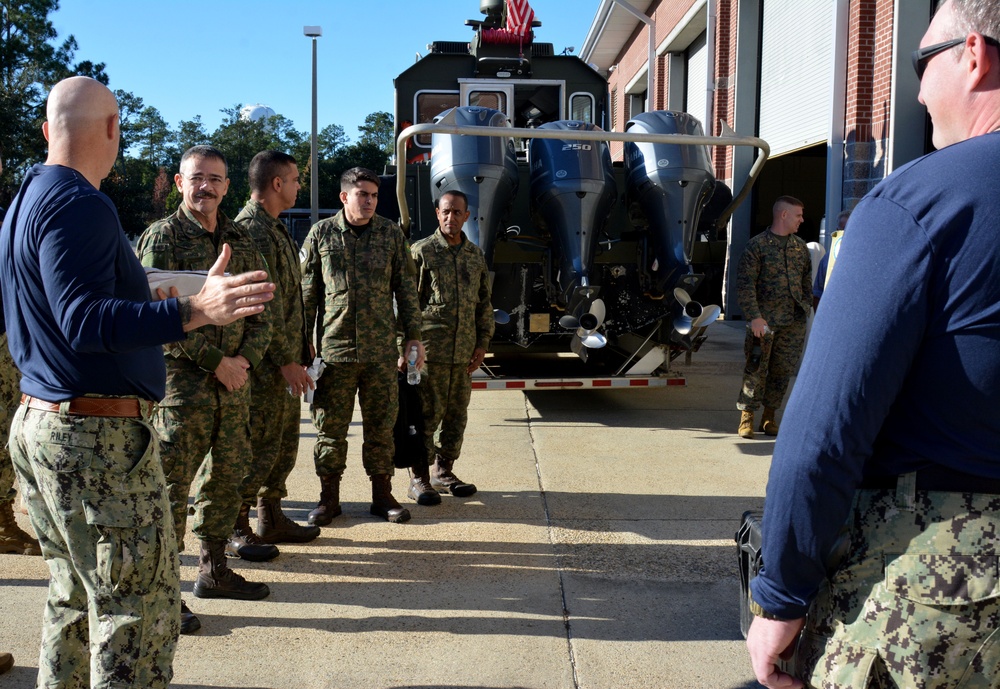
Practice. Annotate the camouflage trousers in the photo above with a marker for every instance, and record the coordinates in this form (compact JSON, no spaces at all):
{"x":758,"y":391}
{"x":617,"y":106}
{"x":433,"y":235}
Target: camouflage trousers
{"x":445,"y":391}
{"x":779,"y":355}
{"x":274,"y":434}
{"x":98,"y":502}
{"x":333,"y":407}
{"x":917,"y":602}
{"x":210,"y":447}
{"x":10,"y":397}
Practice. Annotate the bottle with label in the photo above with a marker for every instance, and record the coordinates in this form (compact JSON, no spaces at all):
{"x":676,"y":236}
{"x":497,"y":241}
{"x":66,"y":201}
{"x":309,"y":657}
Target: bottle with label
{"x":412,"y":374}
{"x":753,"y":363}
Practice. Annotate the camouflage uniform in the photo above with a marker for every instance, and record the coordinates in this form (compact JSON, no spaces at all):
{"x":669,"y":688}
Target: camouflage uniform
{"x":10,"y":397}
{"x":915,"y":603}
{"x":274,"y":413}
{"x":200,"y":423}
{"x":453,"y":285}
{"x":773,"y":282}
{"x":103,"y":493}
{"x":353,"y":276}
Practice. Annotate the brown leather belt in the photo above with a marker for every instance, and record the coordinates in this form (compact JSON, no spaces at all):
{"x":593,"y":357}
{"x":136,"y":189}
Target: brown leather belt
{"x":938,"y":478}
{"x":127,"y":407}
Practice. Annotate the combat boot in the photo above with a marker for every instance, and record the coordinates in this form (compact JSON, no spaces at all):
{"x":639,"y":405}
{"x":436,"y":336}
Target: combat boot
{"x":767,"y":423}
{"x":746,"y":425}
{"x":6,"y":662}
{"x":189,"y":621}
{"x":13,"y":540}
{"x":274,"y":527}
{"x":245,"y":544}
{"x":420,"y":489}
{"x":216,"y":580}
{"x":329,"y":501}
{"x":443,"y":479}
{"x":383,"y":504}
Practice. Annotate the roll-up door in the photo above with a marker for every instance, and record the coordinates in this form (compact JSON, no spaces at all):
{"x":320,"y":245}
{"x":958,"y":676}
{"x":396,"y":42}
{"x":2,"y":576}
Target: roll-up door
{"x":796,"y":73}
{"x":696,"y":70}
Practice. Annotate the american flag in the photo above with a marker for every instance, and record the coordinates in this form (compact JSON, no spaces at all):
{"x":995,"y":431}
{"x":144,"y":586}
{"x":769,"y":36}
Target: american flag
{"x":519,"y":17}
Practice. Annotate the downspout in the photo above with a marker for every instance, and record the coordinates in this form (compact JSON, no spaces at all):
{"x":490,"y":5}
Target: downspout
{"x":651,"y":57}
{"x":835,"y":150}
{"x":710,"y":28}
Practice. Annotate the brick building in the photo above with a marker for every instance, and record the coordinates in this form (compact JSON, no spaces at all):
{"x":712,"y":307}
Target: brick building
{"x":827,"y":83}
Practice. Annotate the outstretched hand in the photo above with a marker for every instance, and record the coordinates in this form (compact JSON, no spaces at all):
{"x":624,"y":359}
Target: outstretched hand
{"x":224,"y":299}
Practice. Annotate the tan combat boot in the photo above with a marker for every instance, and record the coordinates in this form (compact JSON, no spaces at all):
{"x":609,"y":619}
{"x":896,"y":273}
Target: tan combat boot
{"x":420,"y":489}
{"x":746,"y":425}
{"x":13,"y":540}
{"x":767,"y":423}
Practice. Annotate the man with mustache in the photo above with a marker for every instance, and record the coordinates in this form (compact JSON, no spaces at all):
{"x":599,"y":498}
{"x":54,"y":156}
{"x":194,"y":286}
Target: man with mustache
{"x":203,"y":420}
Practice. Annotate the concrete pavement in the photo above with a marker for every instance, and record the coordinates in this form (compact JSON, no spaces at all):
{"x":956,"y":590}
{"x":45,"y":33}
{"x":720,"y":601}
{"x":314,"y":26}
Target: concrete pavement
{"x":598,"y":553}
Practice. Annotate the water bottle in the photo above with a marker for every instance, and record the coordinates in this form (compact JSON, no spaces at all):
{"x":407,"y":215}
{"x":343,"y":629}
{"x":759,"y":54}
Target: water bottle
{"x":412,"y":374}
{"x":754,"y":362}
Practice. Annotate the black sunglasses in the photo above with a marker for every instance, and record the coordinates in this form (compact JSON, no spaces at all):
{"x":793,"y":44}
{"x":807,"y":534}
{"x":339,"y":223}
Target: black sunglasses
{"x":922,"y":55}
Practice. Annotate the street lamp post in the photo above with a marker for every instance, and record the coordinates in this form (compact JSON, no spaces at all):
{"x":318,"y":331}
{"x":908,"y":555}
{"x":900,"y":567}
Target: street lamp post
{"x":313,"y":32}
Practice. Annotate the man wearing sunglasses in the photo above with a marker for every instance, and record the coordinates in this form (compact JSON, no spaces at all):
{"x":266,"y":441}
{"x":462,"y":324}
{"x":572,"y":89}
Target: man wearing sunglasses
{"x":882,"y":518}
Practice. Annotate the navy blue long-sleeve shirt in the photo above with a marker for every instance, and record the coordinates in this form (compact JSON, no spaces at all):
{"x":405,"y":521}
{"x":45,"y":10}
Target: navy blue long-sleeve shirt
{"x":75,"y":297}
{"x":902,"y":370}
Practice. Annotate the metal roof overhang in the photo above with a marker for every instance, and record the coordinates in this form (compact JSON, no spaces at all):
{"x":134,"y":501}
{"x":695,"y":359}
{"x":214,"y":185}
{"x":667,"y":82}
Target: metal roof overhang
{"x":609,"y":32}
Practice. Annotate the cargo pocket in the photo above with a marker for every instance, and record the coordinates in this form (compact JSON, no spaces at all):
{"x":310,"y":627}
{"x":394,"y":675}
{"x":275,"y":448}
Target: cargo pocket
{"x":943,"y":579}
{"x":984,"y":670}
{"x":826,"y":662}
{"x":129,"y":547}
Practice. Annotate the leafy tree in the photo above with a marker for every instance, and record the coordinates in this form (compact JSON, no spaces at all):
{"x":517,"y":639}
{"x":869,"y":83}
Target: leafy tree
{"x":189,"y":133}
{"x":329,"y":140}
{"x":30,"y":64}
{"x":379,"y":130}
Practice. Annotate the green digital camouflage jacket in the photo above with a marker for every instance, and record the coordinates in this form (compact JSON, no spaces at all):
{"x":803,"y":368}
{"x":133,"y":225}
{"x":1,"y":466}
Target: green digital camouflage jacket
{"x":351,"y":280}
{"x":179,"y":242}
{"x":774,"y":279}
{"x":288,"y":334}
{"x":454,"y":292}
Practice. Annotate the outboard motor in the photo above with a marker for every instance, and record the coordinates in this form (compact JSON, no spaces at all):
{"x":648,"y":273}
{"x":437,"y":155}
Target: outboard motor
{"x":572,"y":191}
{"x":484,"y":168}
{"x":667,"y":185}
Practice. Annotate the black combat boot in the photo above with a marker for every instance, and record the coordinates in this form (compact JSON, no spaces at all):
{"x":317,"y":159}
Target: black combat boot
{"x":444,"y":480}
{"x":245,"y":544}
{"x":189,"y":621}
{"x":274,"y":527}
{"x":383,"y":504}
{"x":329,"y":501}
{"x":420,"y":484}
{"x":216,"y":580}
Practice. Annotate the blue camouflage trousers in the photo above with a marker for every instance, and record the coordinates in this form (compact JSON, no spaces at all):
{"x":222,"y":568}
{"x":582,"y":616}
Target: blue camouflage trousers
{"x":917,"y":601}
{"x":98,"y":502}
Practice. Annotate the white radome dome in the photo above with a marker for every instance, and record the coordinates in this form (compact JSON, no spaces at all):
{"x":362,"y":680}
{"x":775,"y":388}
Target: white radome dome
{"x":256,"y":112}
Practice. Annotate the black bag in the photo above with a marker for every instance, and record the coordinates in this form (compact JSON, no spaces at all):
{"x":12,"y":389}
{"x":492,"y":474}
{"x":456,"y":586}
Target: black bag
{"x":748,"y":544}
{"x":408,"y":433}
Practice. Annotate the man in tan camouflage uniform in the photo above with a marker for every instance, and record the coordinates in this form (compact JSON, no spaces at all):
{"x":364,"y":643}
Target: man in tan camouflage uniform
{"x":453,"y":284}
{"x":13,"y":539}
{"x":279,"y":381}
{"x":203,"y":419}
{"x":774,"y":289}
{"x":353,"y":265}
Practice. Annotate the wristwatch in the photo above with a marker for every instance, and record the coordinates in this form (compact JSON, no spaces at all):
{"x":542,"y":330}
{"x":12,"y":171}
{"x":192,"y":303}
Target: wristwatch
{"x":758,"y":611}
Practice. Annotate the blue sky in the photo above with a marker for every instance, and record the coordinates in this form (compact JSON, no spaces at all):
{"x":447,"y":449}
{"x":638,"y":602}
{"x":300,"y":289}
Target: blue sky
{"x":193,"y":58}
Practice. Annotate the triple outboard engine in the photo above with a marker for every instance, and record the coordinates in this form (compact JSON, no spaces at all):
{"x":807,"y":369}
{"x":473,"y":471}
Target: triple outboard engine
{"x":484,"y":168}
{"x":667,"y":185}
{"x":572,"y":192}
